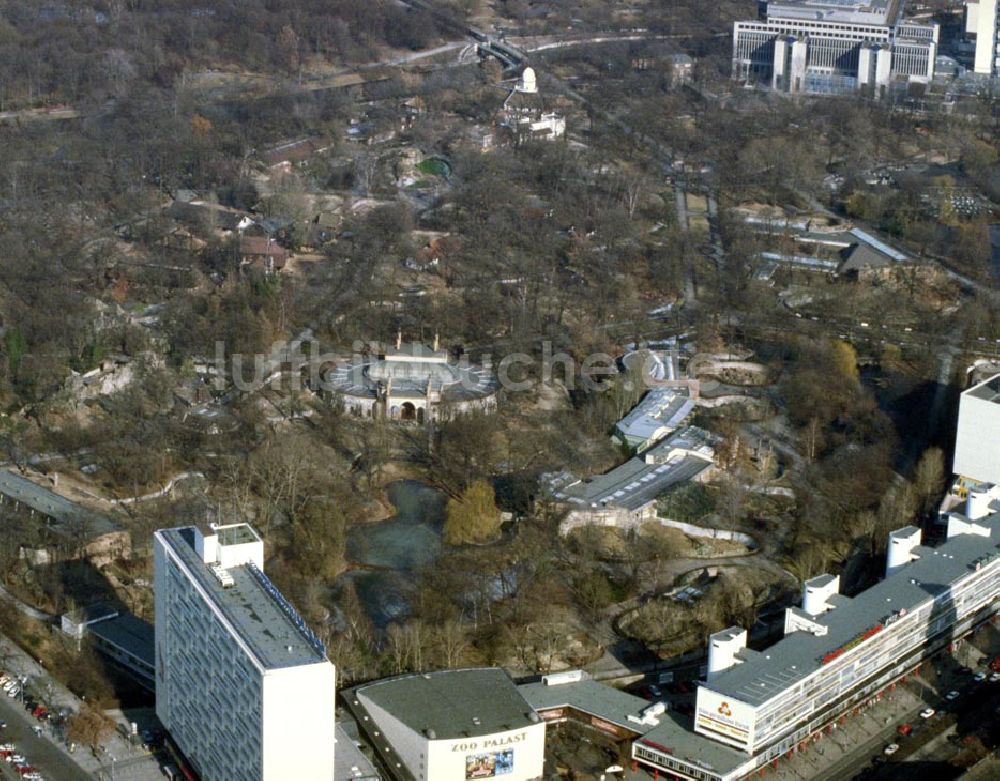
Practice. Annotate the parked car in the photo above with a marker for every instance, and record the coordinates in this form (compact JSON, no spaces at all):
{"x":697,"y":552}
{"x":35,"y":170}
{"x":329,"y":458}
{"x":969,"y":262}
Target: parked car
{"x":995,"y":664}
{"x":903,"y":730}
{"x":952,"y":696}
{"x":926,"y":713}
{"x":979,"y":677}
{"x":891,"y":749}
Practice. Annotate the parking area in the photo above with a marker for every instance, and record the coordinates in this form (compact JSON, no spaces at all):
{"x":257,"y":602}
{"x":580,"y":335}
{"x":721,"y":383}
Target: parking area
{"x":27,"y":750}
{"x":40,"y":735}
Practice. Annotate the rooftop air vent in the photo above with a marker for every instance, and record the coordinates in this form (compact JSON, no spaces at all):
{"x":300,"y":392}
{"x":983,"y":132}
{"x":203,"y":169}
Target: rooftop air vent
{"x":223,"y":576}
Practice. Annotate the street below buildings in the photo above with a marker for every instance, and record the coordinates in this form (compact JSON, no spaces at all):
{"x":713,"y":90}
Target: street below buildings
{"x":40,"y":751}
{"x":856,"y":747}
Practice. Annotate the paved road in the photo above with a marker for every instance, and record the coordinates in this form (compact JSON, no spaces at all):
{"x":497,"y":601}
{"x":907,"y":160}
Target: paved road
{"x":40,"y":752}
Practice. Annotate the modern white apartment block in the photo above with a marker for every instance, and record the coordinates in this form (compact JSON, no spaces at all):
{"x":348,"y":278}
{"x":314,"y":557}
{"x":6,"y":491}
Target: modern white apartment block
{"x":244,"y":688}
{"x":837,"y":653}
{"x":982,"y":22}
{"x":834,"y":47}
{"x":977,"y":455}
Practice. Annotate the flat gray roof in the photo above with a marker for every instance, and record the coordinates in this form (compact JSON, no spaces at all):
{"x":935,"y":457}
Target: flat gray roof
{"x":642,"y":478}
{"x":598,"y":699}
{"x":634,"y":483}
{"x":128,"y":633}
{"x":850,"y":11}
{"x":451,"y":703}
{"x":348,"y":760}
{"x":769,"y":673}
{"x":272,"y":630}
{"x":675,"y":735}
{"x":52,"y":505}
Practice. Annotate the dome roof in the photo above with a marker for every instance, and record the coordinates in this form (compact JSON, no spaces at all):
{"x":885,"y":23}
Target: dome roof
{"x":529,"y":82}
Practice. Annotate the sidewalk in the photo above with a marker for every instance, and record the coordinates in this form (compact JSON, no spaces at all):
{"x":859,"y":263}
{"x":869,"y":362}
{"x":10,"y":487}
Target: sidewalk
{"x":870,"y":726}
{"x":132,"y":763}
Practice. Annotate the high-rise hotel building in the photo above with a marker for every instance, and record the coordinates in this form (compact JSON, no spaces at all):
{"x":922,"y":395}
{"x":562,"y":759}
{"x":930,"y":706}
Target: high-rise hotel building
{"x":242,"y":685}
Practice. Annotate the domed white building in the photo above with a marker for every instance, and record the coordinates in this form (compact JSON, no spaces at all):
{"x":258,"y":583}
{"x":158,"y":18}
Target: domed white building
{"x":411,"y":382}
{"x":525,"y":111}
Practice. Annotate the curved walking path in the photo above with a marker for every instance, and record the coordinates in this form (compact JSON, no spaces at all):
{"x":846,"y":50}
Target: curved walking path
{"x":27,"y":609}
{"x":159,"y":492}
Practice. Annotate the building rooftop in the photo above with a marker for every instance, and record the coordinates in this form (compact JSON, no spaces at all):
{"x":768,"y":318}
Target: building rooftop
{"x":597,"y":699}
{"x":674,"y":735}
{"x":416,"y":352}
{"x":252,"y":606}
{"x":768,"y":674}
{"x":349,"y":762}
{"x":634,"y":483}
{"x":91,"y":613}
{"x":678,"y":458}
{"x":411,"y":368}
{"x":821,"y":581}
{"x":128,"y":633}
{"x":60,"y":509}
{"x":236,"y":534}
{"x":884,"y":12}
{"x":660,"y":408}
{"x":861,"y":256}
{"x":450,"y":704}
{"x":987,"y":391}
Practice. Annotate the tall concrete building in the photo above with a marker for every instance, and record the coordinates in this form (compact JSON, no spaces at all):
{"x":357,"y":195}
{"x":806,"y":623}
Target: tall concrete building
{"x":982,"y":22}
{"x":242,"y":685}
{"x":977,"y":458}
{"x":834,"y":47}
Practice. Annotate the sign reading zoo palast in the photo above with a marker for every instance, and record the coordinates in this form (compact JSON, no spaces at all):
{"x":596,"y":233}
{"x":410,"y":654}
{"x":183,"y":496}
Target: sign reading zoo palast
{"x":499,"y":742}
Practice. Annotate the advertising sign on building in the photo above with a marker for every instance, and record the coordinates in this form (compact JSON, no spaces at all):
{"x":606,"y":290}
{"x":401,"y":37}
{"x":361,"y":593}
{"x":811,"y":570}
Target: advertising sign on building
{"x":515,"y":755}
{"x":724,"y":716}
{"x":498,"y":763}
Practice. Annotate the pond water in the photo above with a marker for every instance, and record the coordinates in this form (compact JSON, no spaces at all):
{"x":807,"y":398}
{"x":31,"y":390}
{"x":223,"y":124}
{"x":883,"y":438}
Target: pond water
{"x":388,"y":554}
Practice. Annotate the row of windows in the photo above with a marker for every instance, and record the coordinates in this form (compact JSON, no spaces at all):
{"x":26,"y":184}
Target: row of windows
{"x":909,"y":634}
{"x":214,"y":700}
{"x":669,"y":763}
{"x":783,"y":27}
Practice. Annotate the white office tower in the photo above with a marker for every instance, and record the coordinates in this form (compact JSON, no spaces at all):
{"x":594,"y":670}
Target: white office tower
{"x":834,"y":47}
{"x":982,"y":21}
{"x":242,"y":685}
{"x":977,"y":457}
